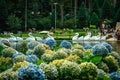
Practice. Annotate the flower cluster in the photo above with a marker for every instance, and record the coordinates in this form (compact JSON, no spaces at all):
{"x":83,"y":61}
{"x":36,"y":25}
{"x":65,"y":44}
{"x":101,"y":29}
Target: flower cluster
{"x":5,"y":63}
{"x":9,"y":75}
{"x":77,"y":46}
{"x":60,"y":54}
{"x":103,"y":66}
{"x":57,"y":63}
{"x":108,"y":46}
{"x":19,"y":65}
{"x":19,"y":58}
{"x":78,"y":52}
{"x":47,"y":57}
{"x":39,"y":50}
{"x":112,"y":63}
{"x":32,"y":58}
{"x":50,"y":71}
{"x":69,"y":69}
{"x":73,"y":58}
{"x":29,"y":52}
{"x":49,"y":52}
{"x":88,"y":71}
{"x":100,"y":50}
{"x":87,"y":47}
{"x":31,"y":72}
{"x":115,"y":76}
{"x":66,"y":44}
{"x":32,"y":44}
{"x":8,"y":52}
{"x":50,"y":42}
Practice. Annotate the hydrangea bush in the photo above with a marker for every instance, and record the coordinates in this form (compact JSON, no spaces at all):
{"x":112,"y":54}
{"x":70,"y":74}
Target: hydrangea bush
{"x":78,"y":52}
{"x":39,"y":50}
{"x":77,"y":46}
{"x":69,"y":70}
{"x":32,"y":44}
{"x":19,"y":65}
{"x":66,"y":44}
{"x":88,"y":71}
{"x":19,"y":58}
{"x":31,"y":72}
{"x":99,"y":50}
{"x":32,"y":58}
{"x":115,"y":75}
{"x":50,"y":71}
{"x":112,"y":63}
{"x":108,"y":46}
{"x":47,"y":57}
{"x":50,"y":42}
{"x":8,"y":52}
{"x":9,"y":75}
{"x":60,"y":54}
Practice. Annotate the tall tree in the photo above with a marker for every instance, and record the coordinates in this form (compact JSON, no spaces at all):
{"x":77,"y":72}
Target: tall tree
{"x":83,"y":16}
{"x":3,"y":13}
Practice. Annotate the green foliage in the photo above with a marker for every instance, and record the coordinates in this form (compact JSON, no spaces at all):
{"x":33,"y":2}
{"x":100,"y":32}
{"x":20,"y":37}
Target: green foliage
{"x":92,"y":26}
{"x":1,"y":48}
{"x":45,"y":23}
{"x":82,"y":33}
{"x":39,"y":62}
{"x":94,"y":19}
{"x":13,"y":22}
{"x":69,"y":23}
{"x":83,"y":16}
{"x":5,"y":63}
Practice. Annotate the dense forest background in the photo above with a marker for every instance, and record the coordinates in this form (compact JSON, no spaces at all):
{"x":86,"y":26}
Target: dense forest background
{"x":40,"y":14}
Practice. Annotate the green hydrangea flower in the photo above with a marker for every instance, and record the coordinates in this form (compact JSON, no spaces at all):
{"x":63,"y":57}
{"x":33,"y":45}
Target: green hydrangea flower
{"x":112,"y":63}
{"x":69,"y":70}
{"x":88,"y":71}
{"x":39,"y":50}
{"x":9,"y":75}
{"x":19,"y":65}
{"x":77,"y":46}
{"x":78,"y":52}
{"x":50,"y":71}
{"x":8,"y":52}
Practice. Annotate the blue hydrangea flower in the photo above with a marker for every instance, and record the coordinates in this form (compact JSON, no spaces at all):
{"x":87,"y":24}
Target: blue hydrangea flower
{"x":87,"y":47}
{"x":108,"y":46}
{"x":65,"y":44}
{"x":50,"y":42}
{"x":18,"y":54}
{"x":32,"y":58}
{"x":31,"y":72}
{"x":115,"y":76}
{"x":99,"y":50}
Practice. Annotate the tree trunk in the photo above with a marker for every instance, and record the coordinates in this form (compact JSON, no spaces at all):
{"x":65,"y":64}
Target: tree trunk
{"x":62,"y":12}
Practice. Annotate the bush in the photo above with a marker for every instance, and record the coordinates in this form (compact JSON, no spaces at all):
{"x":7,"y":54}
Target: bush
{"x":100,"y":50}
{"x":31,"y":72}
{"x":66,"y":44}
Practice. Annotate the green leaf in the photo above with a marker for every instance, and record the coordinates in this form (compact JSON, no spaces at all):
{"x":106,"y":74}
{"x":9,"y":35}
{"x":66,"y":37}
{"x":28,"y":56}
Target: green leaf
{"x":96,"y":59}
{"x":39,"y":62}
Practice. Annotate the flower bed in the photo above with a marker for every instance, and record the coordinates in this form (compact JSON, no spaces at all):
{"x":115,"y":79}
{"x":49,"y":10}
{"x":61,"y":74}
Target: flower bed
{"x":41,"y":61}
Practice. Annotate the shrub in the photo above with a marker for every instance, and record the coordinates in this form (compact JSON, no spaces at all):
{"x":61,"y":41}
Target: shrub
{"x":115,"y":76}
{"x":100,"y":50}
{"x":19,"y":65}
{"x":66,"y":44}
{"x":39,"y":50}
{"x":50,"y":72}
{"x":60,"y":54}
{"x":88,"y":71}
{"x":8,"y":52}
{"x":108,"y":46}
{"x":47,"y":57}
{"x":50,"y":42}
{"x":32,"y":44}
{"x":32,"y":72}
{"x":9,"y":75}
{"x":78,"y":52}
{"x":69,"y":70}
{"x":112,"y":63}
{"x":32,"y":58}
